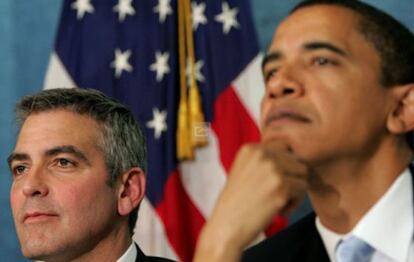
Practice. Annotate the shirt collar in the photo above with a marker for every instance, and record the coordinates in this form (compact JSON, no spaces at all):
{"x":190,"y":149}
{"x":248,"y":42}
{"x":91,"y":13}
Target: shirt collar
{"x":129,"y":255}
{"x":387,"y":226}
{"x":330,"y":239}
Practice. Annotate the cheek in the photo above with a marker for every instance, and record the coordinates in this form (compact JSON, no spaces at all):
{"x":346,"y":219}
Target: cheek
{"x":73,"y":197}
{"x":88,"y":202}
{"x":332,"y":102}
{"x":16,"y":200}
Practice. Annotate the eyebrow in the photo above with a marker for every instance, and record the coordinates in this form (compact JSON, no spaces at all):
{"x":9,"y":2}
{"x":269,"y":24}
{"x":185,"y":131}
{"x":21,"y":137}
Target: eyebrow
{"x":69,"y":149}
{"x":324,"y":45}
{"x":17,"y":156}
{"x":271,"y":57}
{"x":317,"y":45}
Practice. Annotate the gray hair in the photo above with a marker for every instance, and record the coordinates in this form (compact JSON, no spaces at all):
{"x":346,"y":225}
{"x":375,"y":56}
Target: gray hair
{"x":121,"y":139}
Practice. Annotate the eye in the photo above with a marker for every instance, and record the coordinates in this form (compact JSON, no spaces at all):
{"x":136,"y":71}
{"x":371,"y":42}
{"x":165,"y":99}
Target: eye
{"x":270,"y":74}
{"x":63,"y":162}
{"x":19,"y":170}
{"x":321,"y":61}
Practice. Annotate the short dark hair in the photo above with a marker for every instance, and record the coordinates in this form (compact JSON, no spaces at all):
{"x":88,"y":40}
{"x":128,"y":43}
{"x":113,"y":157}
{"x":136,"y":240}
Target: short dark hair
{"x":393,"y":41}
{"x":120,"y":137}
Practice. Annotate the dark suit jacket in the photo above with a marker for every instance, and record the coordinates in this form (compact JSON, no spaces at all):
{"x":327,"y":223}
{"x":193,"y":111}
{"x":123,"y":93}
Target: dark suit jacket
{"x":300,"y":242}
{"x":141,"y":257}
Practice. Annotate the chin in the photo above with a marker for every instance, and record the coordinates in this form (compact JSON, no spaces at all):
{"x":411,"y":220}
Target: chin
{"x":33,"y":254}
{"x":38,"y":250}
{"x":273,"y":136}
{"x":284,"y":138}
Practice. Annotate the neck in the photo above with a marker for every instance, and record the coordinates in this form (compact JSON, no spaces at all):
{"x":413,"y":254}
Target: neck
{"x":108,"y":251}
{"x":342,"y":192}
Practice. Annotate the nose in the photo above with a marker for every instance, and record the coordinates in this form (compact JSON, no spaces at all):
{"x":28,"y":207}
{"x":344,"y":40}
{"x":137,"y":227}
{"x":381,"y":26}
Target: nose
{"x":285,"y":83}
{"x":34,"y":184}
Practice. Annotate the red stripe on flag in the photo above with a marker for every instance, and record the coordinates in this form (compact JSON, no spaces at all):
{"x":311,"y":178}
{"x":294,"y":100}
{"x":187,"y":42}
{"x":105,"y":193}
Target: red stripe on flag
{"x":233,"y":126}
{"x":182,"y":220}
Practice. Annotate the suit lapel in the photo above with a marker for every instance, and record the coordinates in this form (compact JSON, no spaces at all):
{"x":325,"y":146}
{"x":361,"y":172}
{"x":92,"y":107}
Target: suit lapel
{"x":141,"y":257}
{"x":314,"y":249}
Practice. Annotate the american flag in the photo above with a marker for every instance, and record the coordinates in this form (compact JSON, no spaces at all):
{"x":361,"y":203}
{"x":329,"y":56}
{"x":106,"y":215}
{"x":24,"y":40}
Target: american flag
{"x":130,"y":50}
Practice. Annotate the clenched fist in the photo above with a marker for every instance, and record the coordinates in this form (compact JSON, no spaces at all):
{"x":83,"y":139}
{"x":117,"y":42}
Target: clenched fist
{"x":265,"y":180}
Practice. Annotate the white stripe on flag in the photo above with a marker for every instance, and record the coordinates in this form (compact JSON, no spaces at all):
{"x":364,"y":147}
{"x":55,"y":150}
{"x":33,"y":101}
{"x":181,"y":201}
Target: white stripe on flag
{"x":149,"y":233}
{"x":204,"y":178}
{"x":56,"y":74}
{"x":249,"y":85}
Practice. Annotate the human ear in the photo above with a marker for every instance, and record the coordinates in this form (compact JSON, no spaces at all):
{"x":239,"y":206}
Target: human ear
{"x":131,"y":191}
{"x":401,"y":119}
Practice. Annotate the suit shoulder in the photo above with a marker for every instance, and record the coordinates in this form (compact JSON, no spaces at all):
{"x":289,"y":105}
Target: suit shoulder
{"x":287,"y":243}
{"x":141,"y":257}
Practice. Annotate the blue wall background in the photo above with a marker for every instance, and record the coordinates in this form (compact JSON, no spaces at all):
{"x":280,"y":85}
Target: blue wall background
{"x":28,"y":28}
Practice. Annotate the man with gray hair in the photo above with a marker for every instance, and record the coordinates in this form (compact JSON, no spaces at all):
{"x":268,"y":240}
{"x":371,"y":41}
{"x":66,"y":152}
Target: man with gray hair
{"x":78,"y":172}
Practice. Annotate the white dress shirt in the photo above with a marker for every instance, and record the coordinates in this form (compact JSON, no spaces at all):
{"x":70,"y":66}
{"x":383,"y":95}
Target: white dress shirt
{"x":388,"y":226}
{"x":130,"y":255}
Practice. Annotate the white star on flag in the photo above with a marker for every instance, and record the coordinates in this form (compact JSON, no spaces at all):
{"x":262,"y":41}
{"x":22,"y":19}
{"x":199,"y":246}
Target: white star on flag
{"x":164,"y":9}
{"x":158,"y":122}
{"x":121,"y":62}
{"x":198,"y":14}
{"x":227,"y":17}
{"x":124,"y":8}
{"x":197,"y":71}
{"x":82,"y":7}
{"x":161,"y":65}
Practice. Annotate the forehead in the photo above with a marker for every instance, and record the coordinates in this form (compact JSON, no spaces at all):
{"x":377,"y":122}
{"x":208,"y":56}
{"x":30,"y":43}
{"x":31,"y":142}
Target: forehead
{"x":318,"y":23}
{"x":55,"y":128}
